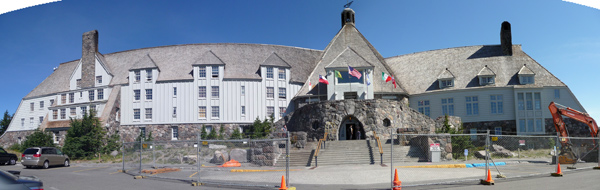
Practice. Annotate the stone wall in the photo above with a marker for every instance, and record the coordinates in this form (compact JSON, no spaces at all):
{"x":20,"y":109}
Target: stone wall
{"x":329,"y":115}
{"x":163,"y":132}
{"x":509,"y":127}
{"x":11,"y":137}
{"x":575,"y":128}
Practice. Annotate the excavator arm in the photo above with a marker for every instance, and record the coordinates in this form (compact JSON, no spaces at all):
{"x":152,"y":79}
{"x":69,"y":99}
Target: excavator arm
{"x":567,"y":156}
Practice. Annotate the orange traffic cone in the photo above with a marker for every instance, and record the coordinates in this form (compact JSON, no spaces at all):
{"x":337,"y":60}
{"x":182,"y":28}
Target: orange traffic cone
{"x":489,"y":180}
{"x":283,"y":187}
{"x":397,"y":182}
{"x":558,"y":171}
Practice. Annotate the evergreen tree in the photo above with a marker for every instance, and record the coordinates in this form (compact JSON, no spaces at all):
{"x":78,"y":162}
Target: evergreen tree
{"x":221,"y":132}
{"x":38,"y":139}
{"x":212,"y":134}
{"x":111,"y":143}
{"x":236,"y":134}
{"x":459,"y":143}
{"x":5,"y":122}
{"x":203,"y":134}
{"x":84,"y":137}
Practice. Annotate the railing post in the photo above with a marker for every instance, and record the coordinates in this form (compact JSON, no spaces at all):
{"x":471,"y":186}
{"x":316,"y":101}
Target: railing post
{"x":198,"y":155}
{"x":123,"y":154}
{"x":316,"y":161}
{"x":153,"y":155}
{"x":287,"y":159}
{"x":141,"y":148}
{"x":392,"y":158}
{"x":487,"y":152}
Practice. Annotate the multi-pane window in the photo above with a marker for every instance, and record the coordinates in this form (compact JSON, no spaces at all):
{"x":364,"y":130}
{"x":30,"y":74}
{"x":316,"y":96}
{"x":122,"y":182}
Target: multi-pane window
{"x":41,"y":104}
{"x":63,"y":113}
{"x":529,"y":101}
{"x":31,"y":106}
{"x":143,"y":131}
{"x":527,"y":79}
{"x":78,"y":83}
{"x":448,"y":106}
{"x":71,"y":97}
{"x":472,"y":105}
{"x":73,"y":111}
{"x":83,"y":110}
{"x":215,"y":111}
{"x":136,"y":94}
{"x":424,"y":108}
{"x":148,"y":75}
{"x":538,"y":125}
{"x":270,"y":111}
{"x":243,"y":90}
{"x":446,"y":83}
{"x":63,"y":98}
{"x":174,"y":133}
{"x":202,"y":92}
{"x":521,"y":101}
{"x":148,"y":94}
{"x":269,"y":72}
{"x":100,"y":94}
{"x":138,"y":76}
{"x":174,"y":112}
{"x":174,"y":91}
{"x":537,"y":100}
{"x":281,"y":111}
{"x":556,"y":93}
{"x":202,"y":72}
{"x":148,"y":113}
{"x":54,"y":114}
{"x":41,"y":119}
{"x":530,"y":127}
{"x":282,"y":93}
{"x":487,"y":80}
{"x":202,"y":112}
{"x":93,"y":108}
{"x":136,"y":113}
{"x":243,"y":110}
{"x":496,"y":104}
{"x":52,"y":102}
{"x":215,"y":72}
{"x":281,"y":73}
{"x":270,"y":92}
{"x":99,"y":79}
{"x":214,"y":90}
{"x":91,"y":95}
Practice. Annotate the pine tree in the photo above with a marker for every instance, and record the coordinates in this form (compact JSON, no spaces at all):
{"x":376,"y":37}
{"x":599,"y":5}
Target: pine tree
{"x":236,"y":134}
{"x":203,"y":134}
{"x":84,"y":137}
{"x":5,"y":122}
{"x":39,"y":139}
{"x":212,"y":134}
{"x":221,"y":132}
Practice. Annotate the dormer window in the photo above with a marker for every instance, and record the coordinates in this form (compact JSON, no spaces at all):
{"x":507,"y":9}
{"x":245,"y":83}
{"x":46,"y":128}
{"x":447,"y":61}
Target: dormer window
{"x":526,"y":75}
{"x":486,"y":76}
{"x":445,"y":83}
{"x":446,"y":79}
{"x":99,"y":79}
{"x":137,"y":76}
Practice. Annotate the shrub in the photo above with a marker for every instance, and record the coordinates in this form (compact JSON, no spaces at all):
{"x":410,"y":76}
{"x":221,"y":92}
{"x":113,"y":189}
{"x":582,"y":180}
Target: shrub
{"x":38,"y":138}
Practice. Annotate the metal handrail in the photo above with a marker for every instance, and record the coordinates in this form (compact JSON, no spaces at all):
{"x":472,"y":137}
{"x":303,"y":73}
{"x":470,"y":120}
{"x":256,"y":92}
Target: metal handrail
{"x":321,"y":142}
{"x":380,"y":148}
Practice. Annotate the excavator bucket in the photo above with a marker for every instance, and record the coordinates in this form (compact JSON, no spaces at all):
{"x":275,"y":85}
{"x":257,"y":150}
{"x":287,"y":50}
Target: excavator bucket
{"x":567,"y":156}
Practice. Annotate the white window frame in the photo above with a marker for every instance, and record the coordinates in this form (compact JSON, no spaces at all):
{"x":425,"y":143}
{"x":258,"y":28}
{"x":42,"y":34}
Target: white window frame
{"x":149,"y":94}
{"x":202,"y":72}
{"x":137,"y":95}
{"x":31,"y":106}
{"x":214,"y":91}
{"x":243,"y":90}
{"x":54,"y":114}
{"x":174,"y":112}
{"x":138,"y":76}
{"x":243,"y":110}
{"x":282,"y":111}
{"x":174,"y":132}
{"x":448,"y":106}
{"x":269,"y":72}
{"x":91,"y":95}
{"x":270,"y":111}
{"x":281,"y":72}
{"x":41,"y":119}
{"x":202,"y":112}
{"x":472,"y":105}
{"x":42,"y":105}
{"x":148,"y":114}
{"x":215,"y":72}
{"x":424,"y":107}
{"x":202,"y":92}
{"x":496,"y":104}
{"x":99,"y":79}
{"x":282,"y":93}
{"x":73,"y":111}
{"x":83,"y":110}
{"x":72,"y":97}
{"x":445,"y":83}
{"x":148,"y":75}
{"x":136,"y":114}
{"x":527,"y":79}
{"x":100,"y":94}
{"x":486,"y":80}
{"x":214,"y":112}
{"x":63,"y":113}
{"x":174,"y":91}
{"x":270,"y":92}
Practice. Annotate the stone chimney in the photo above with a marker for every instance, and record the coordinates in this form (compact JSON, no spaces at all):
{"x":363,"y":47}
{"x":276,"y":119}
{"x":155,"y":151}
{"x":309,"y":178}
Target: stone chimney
{"x":89,"y":48}
{"x":506,"y":38}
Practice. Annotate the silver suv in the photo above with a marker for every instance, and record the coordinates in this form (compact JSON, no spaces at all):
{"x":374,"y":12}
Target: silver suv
{"x":44,"y":157}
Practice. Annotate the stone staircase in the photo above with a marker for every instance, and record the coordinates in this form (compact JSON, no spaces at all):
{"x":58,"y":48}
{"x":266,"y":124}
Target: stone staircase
{"x":351,"y":152}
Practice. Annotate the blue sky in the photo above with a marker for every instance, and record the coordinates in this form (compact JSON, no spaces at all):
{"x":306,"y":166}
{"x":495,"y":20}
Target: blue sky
{"x":561,"y":36}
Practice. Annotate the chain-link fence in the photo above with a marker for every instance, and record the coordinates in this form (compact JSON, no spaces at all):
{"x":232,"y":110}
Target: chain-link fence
{"x":422,"y":159}
{"x":220,"y":162}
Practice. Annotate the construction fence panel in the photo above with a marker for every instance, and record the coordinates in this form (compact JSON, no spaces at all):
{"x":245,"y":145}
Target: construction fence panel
{"x":220,"y":162}
{"x":422,"y":159}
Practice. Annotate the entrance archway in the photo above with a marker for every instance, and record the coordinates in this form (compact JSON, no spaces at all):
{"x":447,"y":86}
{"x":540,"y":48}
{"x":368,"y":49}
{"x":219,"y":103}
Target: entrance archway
{"x":351,"y":129}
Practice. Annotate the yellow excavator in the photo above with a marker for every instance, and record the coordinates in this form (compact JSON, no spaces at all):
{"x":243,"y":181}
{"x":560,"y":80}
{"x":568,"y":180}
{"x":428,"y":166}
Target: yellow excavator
{"x":567,"y":156}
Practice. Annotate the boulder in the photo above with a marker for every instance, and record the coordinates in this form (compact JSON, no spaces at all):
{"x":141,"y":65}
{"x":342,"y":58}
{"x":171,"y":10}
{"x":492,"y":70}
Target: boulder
{"x":480,"y":154}
{"x":216,"y":146}
{"x":114,"y":153}
{"x":501,"y":151}
{"x":190,"y":158}
{"x":268,"y":149}
{"x":449,"y":156}
{"x":219,"y":157}
{"x":240,"y":155}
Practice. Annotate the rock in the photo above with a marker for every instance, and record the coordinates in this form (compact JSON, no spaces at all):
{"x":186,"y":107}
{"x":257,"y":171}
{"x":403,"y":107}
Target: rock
{"x":216,"y":146}
{"x":257,"y":151}
{"x":219,"y":157}
{"x":501,"y":151}
{"x":240,"y":155}
{"x":449,"y":156}
{"x":114,"y":153}
{"x":268,"y":149}
{"x":480,"y":154}
{"x":190,"y":158}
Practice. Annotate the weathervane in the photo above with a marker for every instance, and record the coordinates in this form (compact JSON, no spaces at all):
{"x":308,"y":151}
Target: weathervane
{"x":347,"y":5}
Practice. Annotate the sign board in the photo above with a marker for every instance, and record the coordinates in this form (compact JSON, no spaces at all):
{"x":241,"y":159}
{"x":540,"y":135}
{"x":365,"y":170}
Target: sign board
{"x":522,"y":142}
{"x":434,"y":147}
{"x":466,"y":152}
{"x":204,"y":142}
{"x":144,"y":145}
{"x":494,"y":138}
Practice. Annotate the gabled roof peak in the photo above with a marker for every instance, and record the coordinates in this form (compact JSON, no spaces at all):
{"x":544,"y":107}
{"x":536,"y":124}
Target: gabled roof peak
{"x":525,"y":70}
{"x":348,"y":57}
{"x":486,"y":71}
{"x":275,"y":60}
{"x":446,"y":74}
{"x":209,"y":58}
{"x":146,"y":62}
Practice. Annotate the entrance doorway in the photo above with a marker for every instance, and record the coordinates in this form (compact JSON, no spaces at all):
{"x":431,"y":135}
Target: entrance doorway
{"x":351,"y":129}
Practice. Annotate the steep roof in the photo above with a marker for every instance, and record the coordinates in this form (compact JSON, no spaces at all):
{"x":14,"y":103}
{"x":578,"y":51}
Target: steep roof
{"x":275,"y":60}
{"x":526,"y":71}
{"x":346,"y":42}
{"x":145,"y":62}
{"x":349,"y":57}
{"x":175,"y":63}
{"x":446,"y":74}
{"x":486,"y":71}
{"x":418,"y":71}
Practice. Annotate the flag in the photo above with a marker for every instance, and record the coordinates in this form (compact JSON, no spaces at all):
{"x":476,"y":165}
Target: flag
{"x":309,"y":86}
{"x":323,"y":80}
{"x":354,"y":72}
{"x":368,"y":80}
{"x":337,"y":74}
{"x":394,"y":82}
{"x":385,"y":77}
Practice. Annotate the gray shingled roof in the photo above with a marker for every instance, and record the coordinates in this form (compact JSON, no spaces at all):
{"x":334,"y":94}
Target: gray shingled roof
{"x":349,"y":57}
{"x":446,"y":74}
{"x":486,"y":71}
{"x":175,"y":63}
{"x":275,"y":60}
{"x":145,"y":62}
{"x":349,"y":36}
{"x":526,"y":71}
{"x":418,"y":71}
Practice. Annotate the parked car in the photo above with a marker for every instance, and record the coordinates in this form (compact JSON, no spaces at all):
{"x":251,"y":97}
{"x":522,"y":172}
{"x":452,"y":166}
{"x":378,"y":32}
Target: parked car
{"x":44,"y":157}
{"x":10,"y":181}
{"x":7,"y":158}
